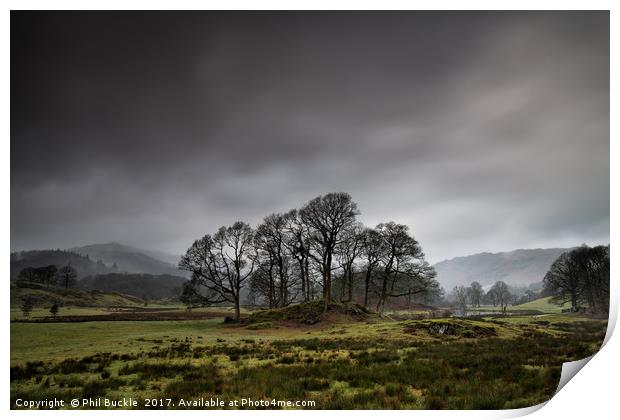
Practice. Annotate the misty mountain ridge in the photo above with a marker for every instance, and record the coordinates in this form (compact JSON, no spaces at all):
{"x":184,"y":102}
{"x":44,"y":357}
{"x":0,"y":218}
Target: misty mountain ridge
{"x":130,"y":259}
{"x":91,"y":260}
{"x":111,"y":267}
{"x":518,"y":268}
{"x":118,"y":247}
{"x":85,"y":266}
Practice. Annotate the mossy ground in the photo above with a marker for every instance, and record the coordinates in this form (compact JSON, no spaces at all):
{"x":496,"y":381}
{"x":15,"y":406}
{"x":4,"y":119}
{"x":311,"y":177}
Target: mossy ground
{"x":370,"y":363}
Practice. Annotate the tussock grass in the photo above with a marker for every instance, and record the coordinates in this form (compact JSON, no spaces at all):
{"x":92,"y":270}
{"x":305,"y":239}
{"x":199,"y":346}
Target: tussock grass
{"x":484,"y":364}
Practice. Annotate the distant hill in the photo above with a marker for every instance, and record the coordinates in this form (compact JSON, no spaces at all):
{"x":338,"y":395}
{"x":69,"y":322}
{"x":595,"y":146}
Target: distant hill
{"x":140,"y":285}
{"x":85,"y":266}
{"x":518,"y":268}
{"x":45,"y":296}
{"x":132,"y":260}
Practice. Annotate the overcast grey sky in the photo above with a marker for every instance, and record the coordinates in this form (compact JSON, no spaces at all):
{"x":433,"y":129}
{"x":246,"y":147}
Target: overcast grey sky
{"x":481,"y":131}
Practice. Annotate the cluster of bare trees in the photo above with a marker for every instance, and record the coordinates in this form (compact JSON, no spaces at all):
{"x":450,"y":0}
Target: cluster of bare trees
{"x":581,"y":276}
{"x":65,"y":276}
{"x":473,"y":296}
{"x":500,"y":295}
{"x":298,"y":256}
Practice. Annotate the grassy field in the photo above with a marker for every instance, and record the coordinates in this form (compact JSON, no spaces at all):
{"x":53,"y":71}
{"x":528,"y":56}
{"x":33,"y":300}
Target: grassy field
{"x":543,"y":305}
{"x":89,"y":314}
{"x":45,"y":297}
{"x":535,"y":307}
{"x":93,"y":305}
{"x":351,"y":360}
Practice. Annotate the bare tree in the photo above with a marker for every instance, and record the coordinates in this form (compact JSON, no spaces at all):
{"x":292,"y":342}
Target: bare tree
{"x":502,"y":294}
{"x":563,"y":280}
{"x":271,"y":243}
{"x":221,"y":264}
{"x":491,"y":297}
{"x":404,"y":270}
{"x":298,"y":244}
{"x":372,"y":251}
{"x":597,"y":279}
{"x":327,"y":217}
{"x":461,"y":294}
{"x":27,"y":306}
{"x":191,"y":296}
{"x":529,"y":295}
{"x":348,"y":250}
{"x":262,"y":285}
{"x":475,"y":293}
{"x":581,"y":276}
{"x":66,"y":276}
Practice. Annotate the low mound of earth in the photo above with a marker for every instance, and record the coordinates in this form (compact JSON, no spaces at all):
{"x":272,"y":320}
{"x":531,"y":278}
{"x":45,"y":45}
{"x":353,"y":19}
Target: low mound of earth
{"x":42,"y":296}
{"x":311,"y":313}
{"x":451,"y":328}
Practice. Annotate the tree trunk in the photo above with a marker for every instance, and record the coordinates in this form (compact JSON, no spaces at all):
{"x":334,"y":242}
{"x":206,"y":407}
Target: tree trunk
{"x":307,"y":279}
{"x":327,"y":280}
{"x":343,"y":285}
{"x":282,"y":284}
{"x":303,"y":280}
{"x":381,"y":304}
{"x":271,"y":290}
{"x":366,"y":287}
{"x":237,"y":308}
{"x":350,"y":284}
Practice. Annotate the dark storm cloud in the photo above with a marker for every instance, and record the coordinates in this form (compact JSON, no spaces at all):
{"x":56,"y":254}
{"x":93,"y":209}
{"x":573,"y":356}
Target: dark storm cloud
{"x":482,"y":131}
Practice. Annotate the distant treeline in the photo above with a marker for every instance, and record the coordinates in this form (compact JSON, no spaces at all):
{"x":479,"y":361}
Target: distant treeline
{"x":579,"y":276}
{"x":500,"y":294}
{"x":65,"y":276}
{"x":144,"y":286}
{"x":83,"y":264}
{"x":320,"y":251}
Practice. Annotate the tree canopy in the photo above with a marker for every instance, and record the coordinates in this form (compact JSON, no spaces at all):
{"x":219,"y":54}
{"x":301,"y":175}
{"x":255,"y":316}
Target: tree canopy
{"x":291,"y":256}
{"x":581,"y":277}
